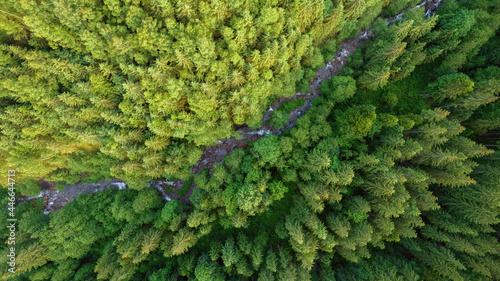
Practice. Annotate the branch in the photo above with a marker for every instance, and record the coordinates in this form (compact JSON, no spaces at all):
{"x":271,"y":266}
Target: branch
{"x":11,"y":14}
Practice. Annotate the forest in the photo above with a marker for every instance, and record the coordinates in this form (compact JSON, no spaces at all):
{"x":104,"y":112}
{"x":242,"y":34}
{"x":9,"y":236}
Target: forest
{"x":387,"y":170}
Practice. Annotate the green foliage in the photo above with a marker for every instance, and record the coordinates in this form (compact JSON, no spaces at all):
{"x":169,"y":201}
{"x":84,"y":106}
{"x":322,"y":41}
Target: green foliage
{"x":281,"y":116}
{"x":69,"y":237}
{"x":356,"y":121}
{"x":390,"y":120}
{"x":278,"y":190}
{"x":279,"y":119}
{"x":396,"y":6}
{"x":29,"y":188}
{"x":339,"y":88}
{"x":185,"y":187}
{"x":268,"y":149}
{"x":392,"y":174}
{"x":358,"y":209}
{"x":60,"y":186}
{"x":170,"y":210}
{"x":451,"y":86}
{"x":329,"y":48}
{"x":291,"y":105}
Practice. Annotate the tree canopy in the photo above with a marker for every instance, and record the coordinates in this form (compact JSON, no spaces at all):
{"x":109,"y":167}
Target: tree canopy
{"x":391,"y":174}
